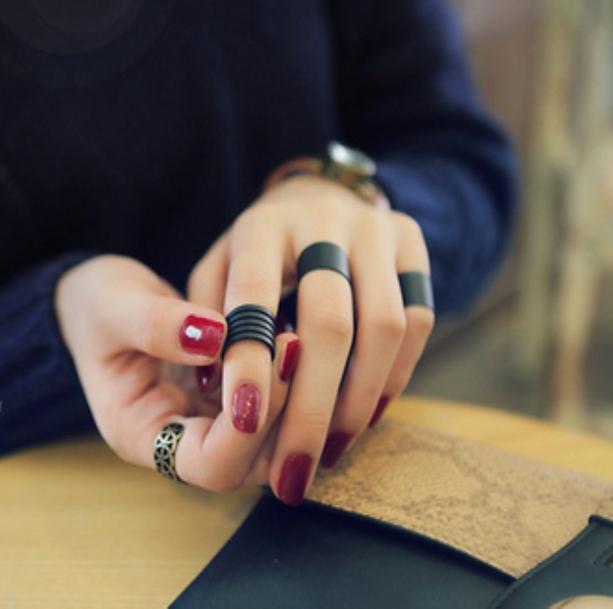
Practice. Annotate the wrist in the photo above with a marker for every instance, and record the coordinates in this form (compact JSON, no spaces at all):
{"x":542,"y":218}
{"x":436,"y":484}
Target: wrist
{"x":348,"y":167}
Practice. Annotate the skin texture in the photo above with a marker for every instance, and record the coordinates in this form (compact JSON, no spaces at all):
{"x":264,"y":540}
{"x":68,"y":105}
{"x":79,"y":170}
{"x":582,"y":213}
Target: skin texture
{"x":121,"y":322}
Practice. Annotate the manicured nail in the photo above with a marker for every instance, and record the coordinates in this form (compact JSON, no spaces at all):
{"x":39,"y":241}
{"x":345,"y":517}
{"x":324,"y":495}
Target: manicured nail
{"x":290,"y":358}
{"x":294,"y":477}
{"x":246,"y":408}
{"x":207,"y":378}
{"x":381,"y":405}
{"x":201,"y":335}
{"x":335,"y":445}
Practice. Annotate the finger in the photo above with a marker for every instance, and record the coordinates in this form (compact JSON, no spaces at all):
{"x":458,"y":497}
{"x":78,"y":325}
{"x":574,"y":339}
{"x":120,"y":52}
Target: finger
{"x":206,"y":286}
{"x":259,"y":473}
{"x":288,"y":353}
{"x":254,"y":277}
{"x":165,"y":327}
{"x":207,"y":281}
{"x":325,"y":327}
{"x":411,"y":255}
{"x":380,"y":330}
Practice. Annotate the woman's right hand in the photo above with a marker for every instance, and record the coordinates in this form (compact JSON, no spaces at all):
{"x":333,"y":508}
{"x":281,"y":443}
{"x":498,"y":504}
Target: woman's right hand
{"x":121,"y":322}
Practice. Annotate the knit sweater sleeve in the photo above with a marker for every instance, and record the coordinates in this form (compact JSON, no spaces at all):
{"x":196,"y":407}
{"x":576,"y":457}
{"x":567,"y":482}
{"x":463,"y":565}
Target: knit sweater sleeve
{"x":40,"y":393}
{"x":407,"y":99}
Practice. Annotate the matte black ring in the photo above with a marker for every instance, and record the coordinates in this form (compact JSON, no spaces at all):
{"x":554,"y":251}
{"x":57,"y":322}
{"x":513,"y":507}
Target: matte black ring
{"x":416,"y":289}
{"x":241,"y":324}
{"x":251,"y":335}
{"x":249,"y":308}
{"x":323,"y":255}
{"x":266,"y":321}
{"x":251,"y":322}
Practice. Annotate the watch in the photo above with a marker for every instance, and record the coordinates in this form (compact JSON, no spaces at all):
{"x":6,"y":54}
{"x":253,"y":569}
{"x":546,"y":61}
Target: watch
{"x":348,"y":166}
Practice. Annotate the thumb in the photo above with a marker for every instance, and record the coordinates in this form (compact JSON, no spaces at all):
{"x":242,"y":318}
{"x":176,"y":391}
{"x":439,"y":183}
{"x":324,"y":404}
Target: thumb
{"x":167,"y":327}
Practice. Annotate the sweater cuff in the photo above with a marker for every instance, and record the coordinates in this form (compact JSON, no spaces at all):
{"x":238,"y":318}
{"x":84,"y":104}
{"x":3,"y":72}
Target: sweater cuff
{"x":40,"y":390}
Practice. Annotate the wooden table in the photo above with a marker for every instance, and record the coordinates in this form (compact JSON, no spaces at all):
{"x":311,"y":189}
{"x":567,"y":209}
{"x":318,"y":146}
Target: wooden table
{"x":79,"y":528}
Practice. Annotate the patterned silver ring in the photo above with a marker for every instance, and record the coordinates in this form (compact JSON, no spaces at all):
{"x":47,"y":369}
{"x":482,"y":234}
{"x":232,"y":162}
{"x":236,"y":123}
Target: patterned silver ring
{"x":166,"y":443}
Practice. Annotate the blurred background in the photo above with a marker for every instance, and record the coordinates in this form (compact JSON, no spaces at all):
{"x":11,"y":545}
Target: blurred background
{"x":540,"y":341}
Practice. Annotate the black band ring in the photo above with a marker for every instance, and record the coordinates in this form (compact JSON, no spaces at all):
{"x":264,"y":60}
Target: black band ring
{"x":243,"y":324}
{"x":323,"y":255}
{"x":416,"y":289}
{"x":251,"y":322}
{"x":254,"y":309}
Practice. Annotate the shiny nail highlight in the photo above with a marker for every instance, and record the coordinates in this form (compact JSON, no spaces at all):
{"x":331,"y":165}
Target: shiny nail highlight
{"x":246,"y":408}
{"x":207,"y":377}
{"x":335,"y":446}
{"x":201,"y":335}
{"x":294,"y":477}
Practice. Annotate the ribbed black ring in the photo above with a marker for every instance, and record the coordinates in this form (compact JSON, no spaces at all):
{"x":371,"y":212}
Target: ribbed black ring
{"x":251,"y":322}
{"x":249,"y":308}
{"x":248,"y":316}
{"x":416,"y":289}
{"x":251,"y":335}
{"x":323,"y":255}
{"x":240,"y":324}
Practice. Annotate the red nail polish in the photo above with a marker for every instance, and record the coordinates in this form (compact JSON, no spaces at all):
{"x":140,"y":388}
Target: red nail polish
{"x":201,"y":335}
{"x":290,"y":358}
{"x":246,"y":408}
{"x":294,"y":477}
{"x":335,"y":445}
{"x":207,"y":377}
{"x":381,"y":405}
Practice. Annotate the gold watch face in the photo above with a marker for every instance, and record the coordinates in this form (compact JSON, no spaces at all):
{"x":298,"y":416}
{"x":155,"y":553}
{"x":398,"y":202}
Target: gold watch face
{"x":351,"y":160}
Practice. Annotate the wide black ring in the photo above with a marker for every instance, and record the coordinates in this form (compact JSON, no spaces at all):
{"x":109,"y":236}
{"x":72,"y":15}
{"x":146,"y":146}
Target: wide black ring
{"x":416,"y":289}
{"x":251,"y":322}
{"x":323,"y":255}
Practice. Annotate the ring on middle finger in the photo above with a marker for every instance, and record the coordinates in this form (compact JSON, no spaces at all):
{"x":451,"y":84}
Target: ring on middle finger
{"x":251,"y":322}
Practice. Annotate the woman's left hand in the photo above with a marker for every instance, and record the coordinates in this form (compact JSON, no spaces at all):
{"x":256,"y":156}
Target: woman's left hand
{"x":255,"y":262}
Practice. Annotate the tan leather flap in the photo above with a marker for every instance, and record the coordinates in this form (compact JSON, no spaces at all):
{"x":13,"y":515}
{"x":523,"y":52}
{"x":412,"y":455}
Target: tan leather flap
{"x":507,"y":510}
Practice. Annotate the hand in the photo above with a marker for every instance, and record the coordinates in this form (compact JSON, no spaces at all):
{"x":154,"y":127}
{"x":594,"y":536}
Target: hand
{"x":254,"y":262}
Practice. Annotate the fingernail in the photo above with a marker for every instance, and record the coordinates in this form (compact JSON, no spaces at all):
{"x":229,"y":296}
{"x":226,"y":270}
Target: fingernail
{"x":201,"y":335}
{"x":290,"y":357}
{"x":207,"y":377}
{"x":381,"y":405}
{"x":294,"y":477}
{"x":246,"y":408}
{"x":335,"y":445}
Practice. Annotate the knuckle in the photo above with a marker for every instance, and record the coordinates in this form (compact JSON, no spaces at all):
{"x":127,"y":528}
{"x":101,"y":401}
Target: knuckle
{"x":421,"y":321}
{"x":389,"y":326}
{"x":406,"y":223}
{"x":255,"y":217}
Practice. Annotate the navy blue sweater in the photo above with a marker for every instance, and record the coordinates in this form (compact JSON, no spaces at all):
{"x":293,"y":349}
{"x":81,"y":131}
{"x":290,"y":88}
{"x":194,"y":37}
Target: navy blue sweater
{"x":148,"y":133}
